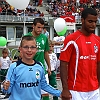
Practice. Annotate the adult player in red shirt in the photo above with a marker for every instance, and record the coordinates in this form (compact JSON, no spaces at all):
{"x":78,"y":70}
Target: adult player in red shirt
{"x":80,"y":61}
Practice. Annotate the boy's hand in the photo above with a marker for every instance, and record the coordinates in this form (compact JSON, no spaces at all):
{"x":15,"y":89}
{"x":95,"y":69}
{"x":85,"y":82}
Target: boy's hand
{"x":49,"y":71}
{"x":11,"y":59}
{"x":6,"y":85}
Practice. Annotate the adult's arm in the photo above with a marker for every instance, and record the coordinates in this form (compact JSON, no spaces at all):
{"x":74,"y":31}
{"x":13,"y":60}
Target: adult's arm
{"x":47,"y":59}
{"x":66,"y":95}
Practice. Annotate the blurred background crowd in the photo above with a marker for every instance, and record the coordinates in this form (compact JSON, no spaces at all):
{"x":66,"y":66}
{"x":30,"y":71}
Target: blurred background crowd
{"x":55,"y":8}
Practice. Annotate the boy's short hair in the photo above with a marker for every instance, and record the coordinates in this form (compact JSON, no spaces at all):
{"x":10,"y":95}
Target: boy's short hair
{"x":5,"y":50}
{"x":51,"y":42}
{"x":27,"y":38}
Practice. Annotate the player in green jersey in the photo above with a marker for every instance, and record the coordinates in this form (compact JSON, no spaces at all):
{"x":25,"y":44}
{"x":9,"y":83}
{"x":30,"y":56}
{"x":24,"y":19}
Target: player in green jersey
{"x":43,"y":48}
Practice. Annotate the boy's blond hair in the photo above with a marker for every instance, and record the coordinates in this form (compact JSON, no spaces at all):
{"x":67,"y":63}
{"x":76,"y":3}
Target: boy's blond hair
{"x":51,"y":42}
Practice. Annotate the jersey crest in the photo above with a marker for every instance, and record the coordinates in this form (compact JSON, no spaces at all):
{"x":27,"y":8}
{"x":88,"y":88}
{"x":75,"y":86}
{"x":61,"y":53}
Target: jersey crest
{"x":95,"y":48}
{"x":37,"y":74}
{"x":42,"y":41}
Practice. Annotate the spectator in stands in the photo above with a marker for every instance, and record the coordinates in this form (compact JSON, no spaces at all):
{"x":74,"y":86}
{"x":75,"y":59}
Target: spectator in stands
{"x":30,"y":6}
{"x":42,"y":14}
{"x":0,"y":10}
{"x":36,"y":2}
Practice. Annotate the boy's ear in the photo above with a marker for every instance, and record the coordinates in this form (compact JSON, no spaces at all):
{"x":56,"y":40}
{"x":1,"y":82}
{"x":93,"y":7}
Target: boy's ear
{"x":19,"y":49}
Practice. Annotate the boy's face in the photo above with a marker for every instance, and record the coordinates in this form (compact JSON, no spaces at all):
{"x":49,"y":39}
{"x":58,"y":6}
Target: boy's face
{"x":4,"y":54}
{"x":51,"y":46}
{"x":28,"y":50}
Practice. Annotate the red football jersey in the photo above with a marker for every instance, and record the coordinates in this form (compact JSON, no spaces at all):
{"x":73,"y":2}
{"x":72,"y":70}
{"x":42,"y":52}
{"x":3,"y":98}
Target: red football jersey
{"x":82,"y":54}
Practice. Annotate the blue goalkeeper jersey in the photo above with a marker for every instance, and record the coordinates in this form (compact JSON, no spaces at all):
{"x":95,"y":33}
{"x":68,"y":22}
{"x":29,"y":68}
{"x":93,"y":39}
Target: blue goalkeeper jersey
{"x":26,"y":81}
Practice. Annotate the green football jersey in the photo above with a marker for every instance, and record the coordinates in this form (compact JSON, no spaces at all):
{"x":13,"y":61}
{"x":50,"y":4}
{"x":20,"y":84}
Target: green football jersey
{"x":42,"y":45}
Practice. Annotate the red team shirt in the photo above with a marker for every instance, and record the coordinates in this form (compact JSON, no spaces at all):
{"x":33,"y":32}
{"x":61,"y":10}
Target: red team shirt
{"x":82,"y":52}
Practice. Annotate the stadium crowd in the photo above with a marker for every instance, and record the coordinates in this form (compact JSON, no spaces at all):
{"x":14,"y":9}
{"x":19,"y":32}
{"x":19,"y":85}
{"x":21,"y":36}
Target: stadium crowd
{"x":55,"y":8}
{"x":6,"y":9}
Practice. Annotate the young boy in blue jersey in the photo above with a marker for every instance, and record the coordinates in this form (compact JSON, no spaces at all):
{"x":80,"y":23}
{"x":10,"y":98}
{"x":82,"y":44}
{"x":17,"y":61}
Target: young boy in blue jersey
{"x":26,"y":77}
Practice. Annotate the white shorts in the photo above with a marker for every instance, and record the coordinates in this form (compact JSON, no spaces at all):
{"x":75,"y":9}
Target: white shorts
{"x":47,"y":79}
{"x":92,"y":95}
{"x":99,"y":92}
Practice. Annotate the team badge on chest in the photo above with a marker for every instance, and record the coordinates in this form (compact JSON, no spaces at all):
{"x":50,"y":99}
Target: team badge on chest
{"x":95,"y":48}
{"x":42,"y":41}
{"x":37,"y":74}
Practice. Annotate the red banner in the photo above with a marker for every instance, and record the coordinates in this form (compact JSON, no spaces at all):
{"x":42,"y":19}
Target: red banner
{"x":68,"y":18}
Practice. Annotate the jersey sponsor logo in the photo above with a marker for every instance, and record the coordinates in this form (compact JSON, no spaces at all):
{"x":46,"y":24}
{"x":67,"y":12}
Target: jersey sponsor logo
{"x":40,"y":50}
{"x":95,"y":48}
{"x":88,"y":42}
{"x":31,"y":84}
{"x":89,"y":57}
